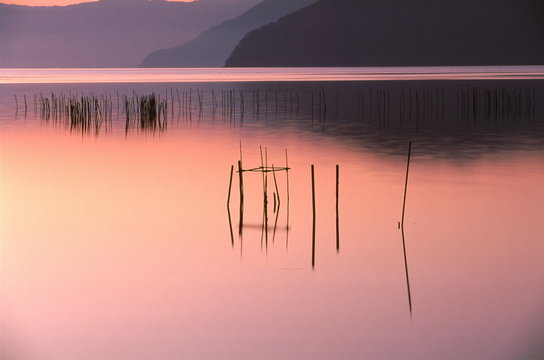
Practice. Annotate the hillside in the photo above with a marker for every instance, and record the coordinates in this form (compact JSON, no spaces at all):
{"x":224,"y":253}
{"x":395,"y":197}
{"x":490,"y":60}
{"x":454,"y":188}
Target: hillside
{"x":213,"y":47}
{"x":400,"y":33}
{"x":107,"y":33}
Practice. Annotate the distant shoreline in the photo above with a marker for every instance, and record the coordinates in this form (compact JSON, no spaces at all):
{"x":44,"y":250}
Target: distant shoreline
{"x":288,"y":74}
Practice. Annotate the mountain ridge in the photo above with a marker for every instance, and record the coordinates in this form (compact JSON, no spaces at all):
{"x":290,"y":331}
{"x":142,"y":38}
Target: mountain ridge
{"x":106,"y":33}
{"x":213,"y":46}
{"x":399,"y":33}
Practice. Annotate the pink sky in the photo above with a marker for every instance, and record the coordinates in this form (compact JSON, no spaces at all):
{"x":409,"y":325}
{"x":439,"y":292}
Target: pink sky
{"x":51,"y":2}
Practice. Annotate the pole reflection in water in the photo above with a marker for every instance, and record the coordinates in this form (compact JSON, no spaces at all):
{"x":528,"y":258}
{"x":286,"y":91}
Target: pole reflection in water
{"x":402,"y":230}
{"x":138,"y":244}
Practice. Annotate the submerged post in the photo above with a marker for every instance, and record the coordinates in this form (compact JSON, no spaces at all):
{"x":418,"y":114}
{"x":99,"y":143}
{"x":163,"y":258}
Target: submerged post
{"x":313,"y":217}
{"x":241,"y":222}
{"x":287,"y":222}
{"x":276,"y":182}
{"x":402,"y":229}
{"x":230,"y":227}
{"x":337,"y":221}
{"x":241,"y":177}
{"x":230,"y":184}
{"x":287,"y":173}
{"x":406,"y":182}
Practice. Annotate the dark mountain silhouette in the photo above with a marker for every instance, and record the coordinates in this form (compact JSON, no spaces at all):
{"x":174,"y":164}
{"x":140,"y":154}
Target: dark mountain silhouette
{"x":400,"y":33}
{"x":107,"y":33}
{"x":213,"y":46}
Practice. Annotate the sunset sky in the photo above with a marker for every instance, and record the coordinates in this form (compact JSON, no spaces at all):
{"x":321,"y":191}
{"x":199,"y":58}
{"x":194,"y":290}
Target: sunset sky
{"x":52,"y":2}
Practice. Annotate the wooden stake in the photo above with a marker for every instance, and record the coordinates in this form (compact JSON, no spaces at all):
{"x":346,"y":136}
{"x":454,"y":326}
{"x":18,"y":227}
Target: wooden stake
{"x":402,"y":230}
{"x":337,"y":218}
{"x":230,"y":184}
{"x":313,"y":217}
{"x":241,"y":178}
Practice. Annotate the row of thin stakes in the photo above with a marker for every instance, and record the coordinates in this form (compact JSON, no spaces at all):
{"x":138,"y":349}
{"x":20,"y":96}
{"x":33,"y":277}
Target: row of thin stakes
{"x":404,"y":106}
{"x":312,"y":168}
{"x":497,"y":104}
{"x":232,"y":104}
{"x":417,"y":106}
{"x":264,"y":169}
{"x":92,"y":112}
{"x":152,"y":112}
{"x":79,"y":112}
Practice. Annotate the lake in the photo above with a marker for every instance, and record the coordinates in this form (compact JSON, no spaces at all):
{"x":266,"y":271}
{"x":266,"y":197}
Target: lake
{"x":119,"y":239}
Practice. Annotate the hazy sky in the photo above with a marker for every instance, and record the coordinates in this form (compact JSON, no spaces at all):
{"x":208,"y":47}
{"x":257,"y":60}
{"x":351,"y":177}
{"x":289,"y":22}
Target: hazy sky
{"x":49,"y":2}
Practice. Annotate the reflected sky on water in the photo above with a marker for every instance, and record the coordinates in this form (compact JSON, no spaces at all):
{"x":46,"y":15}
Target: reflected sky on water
{"x":118,"y":243}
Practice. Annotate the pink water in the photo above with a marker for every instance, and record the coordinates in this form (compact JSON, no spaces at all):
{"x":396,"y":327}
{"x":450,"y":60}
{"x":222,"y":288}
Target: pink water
{"x":202,"y":75}
{"x":119,"y":247}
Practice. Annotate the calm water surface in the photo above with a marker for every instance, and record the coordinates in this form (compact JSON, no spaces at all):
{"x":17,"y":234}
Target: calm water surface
{"x":118,"y":244}
{"x":200,"y":75}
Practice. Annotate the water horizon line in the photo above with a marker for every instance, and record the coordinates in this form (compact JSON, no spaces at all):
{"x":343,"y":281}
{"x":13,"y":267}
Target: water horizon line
{"x":266,"y":74}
